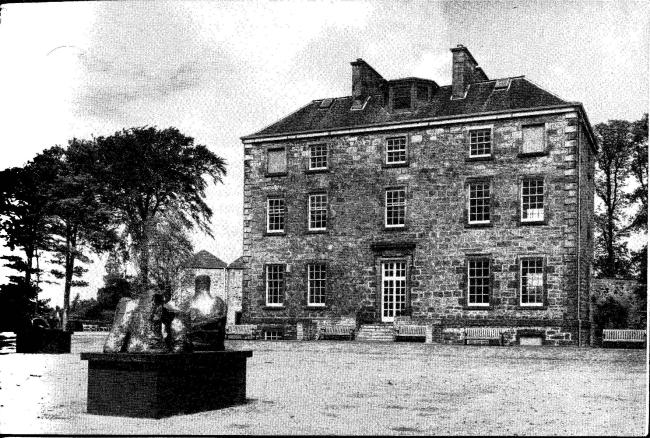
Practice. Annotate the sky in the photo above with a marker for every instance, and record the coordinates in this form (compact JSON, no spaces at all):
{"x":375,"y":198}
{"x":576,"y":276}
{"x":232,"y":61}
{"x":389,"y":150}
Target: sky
{"x":220,"y":70}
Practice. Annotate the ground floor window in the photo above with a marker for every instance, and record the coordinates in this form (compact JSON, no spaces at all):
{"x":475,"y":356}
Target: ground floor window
{"x":478,"y":282}
{"x":316,"y":284}
{"x":275,"y":285}
{"x":272,"y":335}
{"x":532,"y":281}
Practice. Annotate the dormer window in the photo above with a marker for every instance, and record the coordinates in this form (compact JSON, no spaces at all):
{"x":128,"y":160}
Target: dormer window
{"x":502,"y":84}
{"x":423,"y":92}
{"x":402,"y":97}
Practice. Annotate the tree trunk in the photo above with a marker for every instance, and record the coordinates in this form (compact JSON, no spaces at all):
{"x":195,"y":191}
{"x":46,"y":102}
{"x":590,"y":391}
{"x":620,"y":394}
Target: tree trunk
{"x":69,"y":270}
{"x":144,"y":259}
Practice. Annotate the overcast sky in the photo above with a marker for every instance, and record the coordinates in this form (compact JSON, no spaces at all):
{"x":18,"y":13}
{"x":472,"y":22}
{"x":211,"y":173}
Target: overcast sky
{"x":220,"y":70}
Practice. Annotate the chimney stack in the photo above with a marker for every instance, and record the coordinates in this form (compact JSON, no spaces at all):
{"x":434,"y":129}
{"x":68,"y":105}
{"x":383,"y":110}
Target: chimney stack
{"x":465,"y":71}
{"x":365,"y":80}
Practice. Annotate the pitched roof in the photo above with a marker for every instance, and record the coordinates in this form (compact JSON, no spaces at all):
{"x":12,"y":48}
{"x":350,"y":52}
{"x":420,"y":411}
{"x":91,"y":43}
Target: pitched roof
{"x":481,"y":98}
{"x":237,"y":264}
{"x":205,"y":260}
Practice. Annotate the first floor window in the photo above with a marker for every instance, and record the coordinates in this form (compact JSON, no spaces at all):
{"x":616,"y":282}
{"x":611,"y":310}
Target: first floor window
{"x":275,"y":285}
{"x":532,"y":200}
{"x":480,"y":142}
{"x":316,"y":284}
{"x":395,"y":215}
{"x":275,"y":215}
{"x":317,"y":157}
{"x":478,"y":282}
{"x":532,"y":281}
{"x":533,"y":137}
{"x":396,"y":150}
{"x":318,"y":212}
{"x":479,"y":203}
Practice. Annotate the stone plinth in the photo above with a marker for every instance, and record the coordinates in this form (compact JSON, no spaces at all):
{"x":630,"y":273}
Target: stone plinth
{"x":163,"y":384}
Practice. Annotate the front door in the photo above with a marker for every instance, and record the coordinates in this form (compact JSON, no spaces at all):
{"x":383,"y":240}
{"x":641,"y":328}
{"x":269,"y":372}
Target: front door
{"x":393,"y":290}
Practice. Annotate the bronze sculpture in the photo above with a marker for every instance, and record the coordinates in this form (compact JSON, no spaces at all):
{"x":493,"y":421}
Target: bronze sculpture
{"x":150,"y":325}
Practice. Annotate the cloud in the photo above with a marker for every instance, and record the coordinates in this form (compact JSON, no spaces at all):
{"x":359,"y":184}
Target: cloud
{"x":145,"y":53}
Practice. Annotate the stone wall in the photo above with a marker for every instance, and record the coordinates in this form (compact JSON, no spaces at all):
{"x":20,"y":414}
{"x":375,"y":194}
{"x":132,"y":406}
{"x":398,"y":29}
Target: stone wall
{"x":436,"y":241}
{"x":234,"y":292}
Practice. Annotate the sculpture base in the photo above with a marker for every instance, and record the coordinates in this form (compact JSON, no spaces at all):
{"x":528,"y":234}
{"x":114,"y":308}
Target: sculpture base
{"x":37,"y":340}
{"x":156,"y":385}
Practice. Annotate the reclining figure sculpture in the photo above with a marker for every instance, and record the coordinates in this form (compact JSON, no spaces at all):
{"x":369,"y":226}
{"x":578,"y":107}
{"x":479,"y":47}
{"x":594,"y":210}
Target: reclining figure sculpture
{"x":150,"y":325}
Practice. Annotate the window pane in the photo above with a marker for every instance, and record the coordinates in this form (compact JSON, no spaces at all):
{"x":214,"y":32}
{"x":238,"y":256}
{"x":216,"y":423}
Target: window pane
{"x":532,"y":281}
{"x":532,"y":200}
{"x":277,"y":161}
{"x":479,"y":202}
{"x":317,"y":281}
{"x":275,"y":215}
{"x":533,"y":139}
{"x":395,"y":207}
{"x":480,"y":142}
{"x":478,"y":282}
{"x":318,"y":211}
{"x":274,"y":284}
{"x":402,"y":97}
{"x":396,"y":150}
{"x":318,"y":156}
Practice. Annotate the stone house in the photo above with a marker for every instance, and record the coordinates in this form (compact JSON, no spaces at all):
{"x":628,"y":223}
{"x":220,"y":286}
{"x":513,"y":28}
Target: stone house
{"x":225,"y":281}
{"x":451,"y":206}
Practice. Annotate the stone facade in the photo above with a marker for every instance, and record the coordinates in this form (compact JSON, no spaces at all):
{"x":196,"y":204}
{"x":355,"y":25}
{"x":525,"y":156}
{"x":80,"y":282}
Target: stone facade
{"x":436,"y":241}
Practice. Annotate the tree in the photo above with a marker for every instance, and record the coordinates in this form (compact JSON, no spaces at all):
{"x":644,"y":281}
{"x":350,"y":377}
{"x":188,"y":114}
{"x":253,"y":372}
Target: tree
{"x":170,"y":248}
{"x":116,"y":283}
{"x":80,"y":220}
{"x":613,"y":162}
{"x":639,"y":198}
{"x":147,"y":172}
{"x":24,"y":224}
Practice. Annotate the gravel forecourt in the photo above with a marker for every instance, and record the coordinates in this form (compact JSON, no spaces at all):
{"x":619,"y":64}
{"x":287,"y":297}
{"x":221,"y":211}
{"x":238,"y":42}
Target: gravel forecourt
{"x":330,"y":387}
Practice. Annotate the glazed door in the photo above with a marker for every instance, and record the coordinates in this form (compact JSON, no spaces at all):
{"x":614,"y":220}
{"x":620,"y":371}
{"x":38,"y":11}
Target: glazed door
{"x":393,"y":289}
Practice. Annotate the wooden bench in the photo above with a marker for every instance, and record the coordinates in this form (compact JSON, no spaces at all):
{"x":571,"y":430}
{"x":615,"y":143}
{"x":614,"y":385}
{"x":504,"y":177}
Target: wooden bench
{"x":410,"y":332}
{"x":624,"y":336}
{"x":242,"y":331}
{"x":337,"y":331}
{"x":482,"y":334}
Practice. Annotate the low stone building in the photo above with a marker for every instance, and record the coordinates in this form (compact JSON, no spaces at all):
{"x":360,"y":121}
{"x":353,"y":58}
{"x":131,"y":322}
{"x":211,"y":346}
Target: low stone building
{"x":451,"y":206}
{"x":225,"y":281}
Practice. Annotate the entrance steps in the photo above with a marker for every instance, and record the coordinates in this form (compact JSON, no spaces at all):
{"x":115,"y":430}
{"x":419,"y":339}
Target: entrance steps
{"x":376,"y":333}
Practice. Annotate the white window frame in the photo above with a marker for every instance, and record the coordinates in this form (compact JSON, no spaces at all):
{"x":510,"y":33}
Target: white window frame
{"x":311,"y":208}
{"x":469,"y":140}
{"x":267,"y":283}
{"x":521,"y":283}
{"x":310,"y":294}
{"x":268,"y":215}
{"x":324,"y":145}
{"x":389,"y":295}
{"x":406,"y":149}
{"x":544,"y":139}
{"x":521,"y":200}
{"x":402,"y":225}
{"x":469,"y":202}
{"x":469,"y":261}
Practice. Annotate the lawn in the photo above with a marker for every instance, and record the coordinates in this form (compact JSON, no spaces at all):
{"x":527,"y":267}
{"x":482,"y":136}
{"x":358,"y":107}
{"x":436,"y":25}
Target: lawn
{"x":331,"y":387}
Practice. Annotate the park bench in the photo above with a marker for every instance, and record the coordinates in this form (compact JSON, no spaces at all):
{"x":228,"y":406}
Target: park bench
{"x":612,"y":336}
{"x":482,"y":334}
{"x":410,"y":332}
{"x":241,"y":331}
{"x":337,"y":331}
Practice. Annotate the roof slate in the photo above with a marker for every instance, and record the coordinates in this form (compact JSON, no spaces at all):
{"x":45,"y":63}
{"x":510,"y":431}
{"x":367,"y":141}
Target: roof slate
{"x":237,"y":264}
{"x":481,"y":98}
{"x":205,"y":260}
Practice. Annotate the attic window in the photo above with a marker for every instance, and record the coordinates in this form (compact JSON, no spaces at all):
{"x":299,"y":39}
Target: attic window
{"x":423,"y":92}
{"x":325,"y":103}
{"x":502,"y":84}
{"x":358,"y":105}
{"x":402,"y":97}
